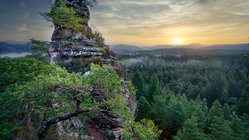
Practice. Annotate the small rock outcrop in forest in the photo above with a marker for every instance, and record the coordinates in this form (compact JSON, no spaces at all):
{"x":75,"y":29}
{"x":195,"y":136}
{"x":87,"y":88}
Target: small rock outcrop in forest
{"x":75,"y":46}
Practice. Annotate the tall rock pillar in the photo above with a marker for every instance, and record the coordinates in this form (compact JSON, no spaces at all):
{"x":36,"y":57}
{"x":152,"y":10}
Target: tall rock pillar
{"x":74,"y":45}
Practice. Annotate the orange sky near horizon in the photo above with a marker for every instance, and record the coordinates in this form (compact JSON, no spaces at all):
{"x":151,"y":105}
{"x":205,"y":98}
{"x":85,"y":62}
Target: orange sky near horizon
{"x":159,"y":22}
{"x":139,"y":22}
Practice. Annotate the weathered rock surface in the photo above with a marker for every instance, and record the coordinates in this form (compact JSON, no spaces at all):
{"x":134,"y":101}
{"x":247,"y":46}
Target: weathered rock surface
{"x":73,"y":49}
{"x":76,"y":50}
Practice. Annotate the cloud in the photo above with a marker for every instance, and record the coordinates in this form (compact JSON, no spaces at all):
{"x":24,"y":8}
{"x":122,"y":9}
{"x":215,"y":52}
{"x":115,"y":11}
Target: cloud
{"x":23,"y":5}
{"x":161,"y":18}
{"x":139,"y":21}
{"x":22,"y":28}
{"x":21,"y":20}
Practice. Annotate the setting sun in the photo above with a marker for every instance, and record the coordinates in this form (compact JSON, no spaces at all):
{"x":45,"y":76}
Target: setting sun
{"x":177,"y":41}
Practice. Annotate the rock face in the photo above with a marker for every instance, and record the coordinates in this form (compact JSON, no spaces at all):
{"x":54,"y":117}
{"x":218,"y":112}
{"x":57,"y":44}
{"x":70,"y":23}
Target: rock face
{"x":75,"y":49}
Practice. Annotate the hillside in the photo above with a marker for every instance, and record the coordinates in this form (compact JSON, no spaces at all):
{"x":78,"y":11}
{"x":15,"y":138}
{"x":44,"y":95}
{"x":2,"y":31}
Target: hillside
{"x":14,"y":48}
{"x":192,"y":49}
{"x":125,"y":49}
{"x":121,"y":49}
{"x":242,"y":47}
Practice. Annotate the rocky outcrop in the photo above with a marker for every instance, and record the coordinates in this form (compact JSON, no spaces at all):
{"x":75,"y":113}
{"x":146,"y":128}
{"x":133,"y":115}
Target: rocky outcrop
{"x":75,"y":47}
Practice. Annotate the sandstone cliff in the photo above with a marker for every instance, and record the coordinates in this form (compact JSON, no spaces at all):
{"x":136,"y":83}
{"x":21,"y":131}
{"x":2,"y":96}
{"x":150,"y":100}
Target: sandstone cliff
{"x":75,"y":46}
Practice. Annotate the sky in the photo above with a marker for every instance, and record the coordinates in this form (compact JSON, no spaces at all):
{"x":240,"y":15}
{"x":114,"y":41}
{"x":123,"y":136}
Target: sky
{"x":139,"y":22}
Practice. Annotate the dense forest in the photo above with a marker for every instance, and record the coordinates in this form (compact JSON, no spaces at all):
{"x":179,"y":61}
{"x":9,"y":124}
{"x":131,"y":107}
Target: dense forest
{"x":69,"y":88}
{"x":188,"y":97}
{"x":35,"y":95}
{"x":194,"y":97}
{"x":75,"y":87}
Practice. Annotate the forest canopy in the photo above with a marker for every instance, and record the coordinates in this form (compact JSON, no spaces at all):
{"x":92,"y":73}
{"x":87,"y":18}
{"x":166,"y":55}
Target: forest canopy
{"x":33,"y":96}
{"x":194,"y":97}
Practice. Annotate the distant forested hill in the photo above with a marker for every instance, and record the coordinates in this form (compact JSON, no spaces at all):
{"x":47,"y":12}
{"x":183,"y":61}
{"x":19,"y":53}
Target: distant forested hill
{"x":192,"y":49}
{"x":14,"y":48}
{"x":230,"y":47}
{"x":125,"y":49}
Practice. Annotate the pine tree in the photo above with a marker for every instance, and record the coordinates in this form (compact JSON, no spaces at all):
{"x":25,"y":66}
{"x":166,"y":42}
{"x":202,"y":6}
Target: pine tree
{"x":190,"y":131}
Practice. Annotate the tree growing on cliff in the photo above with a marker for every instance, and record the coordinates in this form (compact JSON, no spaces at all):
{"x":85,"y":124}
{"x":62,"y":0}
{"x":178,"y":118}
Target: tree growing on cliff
{"x":35,"y":102}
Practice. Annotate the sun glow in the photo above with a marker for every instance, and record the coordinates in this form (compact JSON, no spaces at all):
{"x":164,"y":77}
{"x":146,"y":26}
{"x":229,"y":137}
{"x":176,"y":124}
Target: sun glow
{"x":177,"y":41}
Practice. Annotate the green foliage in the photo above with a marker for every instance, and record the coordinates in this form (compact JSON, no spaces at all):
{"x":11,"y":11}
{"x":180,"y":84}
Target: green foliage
{"x":144,"y":108}
{"x":39,"y":47}
{"x":104,"y":77}
{"x":138,"y":80}
{"x":40,"y":50}
{"x":210,"y":77}
{"x":65,"y":16}
{"x":190,"y":131}
{"x":243,"y":103}
{"x":98,"y":37}
{"x":20,"y":70}
{"x":95,"y":35}
{"x":131,"y":88}
{"x":194,"y":97}
{"x":144,"y":130}
{"x":33,"y":91}
{"x":108,"y":79}
{"x":147,"y":130}
{"x":28,"y":100}
{"x":221,"y":129}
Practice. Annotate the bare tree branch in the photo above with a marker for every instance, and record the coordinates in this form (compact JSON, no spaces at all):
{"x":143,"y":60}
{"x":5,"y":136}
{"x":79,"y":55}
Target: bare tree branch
{"x":47,"y":123}
{"x":78,"y":98}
